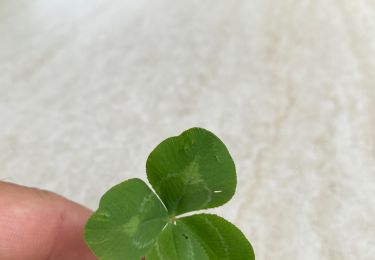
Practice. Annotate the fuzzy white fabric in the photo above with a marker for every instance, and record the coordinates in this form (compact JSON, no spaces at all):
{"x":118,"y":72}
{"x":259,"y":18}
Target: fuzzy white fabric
{"x":89,"y":88}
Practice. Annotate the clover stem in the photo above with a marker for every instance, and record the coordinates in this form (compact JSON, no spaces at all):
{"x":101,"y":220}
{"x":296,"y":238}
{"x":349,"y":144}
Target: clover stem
{"x":172,"y":220}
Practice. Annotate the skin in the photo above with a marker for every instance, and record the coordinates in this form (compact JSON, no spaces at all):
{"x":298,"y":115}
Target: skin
{"x":37,"y":224}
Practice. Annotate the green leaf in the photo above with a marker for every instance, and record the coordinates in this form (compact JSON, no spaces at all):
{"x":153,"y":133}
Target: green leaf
{"x":201,"y":237}
{"x":176,"y":243}
{"x":192,"y":171}
{"x":128,"y":222}
{"x":221,"y":239}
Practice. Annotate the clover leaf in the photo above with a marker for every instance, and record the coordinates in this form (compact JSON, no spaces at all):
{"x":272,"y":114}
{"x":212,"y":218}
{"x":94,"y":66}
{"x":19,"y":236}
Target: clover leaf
{"x":189,"y":172}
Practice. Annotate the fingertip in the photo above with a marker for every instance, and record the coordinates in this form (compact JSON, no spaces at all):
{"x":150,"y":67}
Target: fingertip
{"x":37,"y":224}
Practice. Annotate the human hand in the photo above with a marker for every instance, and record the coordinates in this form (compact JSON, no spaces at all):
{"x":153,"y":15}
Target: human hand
{"x":38,"y":225}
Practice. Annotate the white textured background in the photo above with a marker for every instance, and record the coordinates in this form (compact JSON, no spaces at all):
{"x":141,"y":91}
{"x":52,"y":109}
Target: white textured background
{"x":89,"y":88}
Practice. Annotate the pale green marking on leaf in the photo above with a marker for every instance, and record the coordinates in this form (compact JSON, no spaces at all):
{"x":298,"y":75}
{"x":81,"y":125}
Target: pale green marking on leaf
{"x":157,"y":247}
{"x":191,"y":173}
{"x":139,"y":243}
{"x":131,"y":226}
{"x":142,"y":238}
{"x":191,"y":249}
{"x":145,"y":202}
{"x":220,"y":236}
{"x":102,"y":216}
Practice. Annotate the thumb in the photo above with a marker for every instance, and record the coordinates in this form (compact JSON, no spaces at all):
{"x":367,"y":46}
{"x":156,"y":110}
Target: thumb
{"x":38,"y":224}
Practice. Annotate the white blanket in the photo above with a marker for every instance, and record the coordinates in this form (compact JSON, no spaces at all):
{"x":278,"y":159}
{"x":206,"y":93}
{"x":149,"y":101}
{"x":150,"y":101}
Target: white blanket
{"x":89,"y":88}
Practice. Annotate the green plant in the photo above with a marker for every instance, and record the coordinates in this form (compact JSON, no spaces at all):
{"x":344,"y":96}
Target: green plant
{"x":189,"y":172}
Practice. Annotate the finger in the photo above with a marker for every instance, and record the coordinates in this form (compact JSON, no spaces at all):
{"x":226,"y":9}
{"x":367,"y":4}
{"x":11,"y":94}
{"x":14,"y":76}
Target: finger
{"x":36,"y":224}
